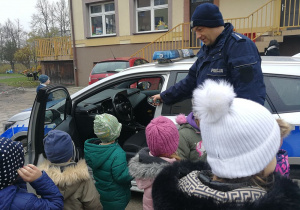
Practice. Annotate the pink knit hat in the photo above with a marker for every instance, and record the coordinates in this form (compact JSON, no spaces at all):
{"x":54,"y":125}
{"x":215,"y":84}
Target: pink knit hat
{"x":162,"y":136}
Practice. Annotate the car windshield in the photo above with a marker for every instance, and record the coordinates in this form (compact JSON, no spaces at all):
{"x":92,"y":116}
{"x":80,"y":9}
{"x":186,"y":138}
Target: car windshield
{"x":109,"y":66}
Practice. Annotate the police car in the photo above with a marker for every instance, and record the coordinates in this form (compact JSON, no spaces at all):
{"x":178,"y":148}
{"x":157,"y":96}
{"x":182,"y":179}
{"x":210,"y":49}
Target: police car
{"x":126,"y":94}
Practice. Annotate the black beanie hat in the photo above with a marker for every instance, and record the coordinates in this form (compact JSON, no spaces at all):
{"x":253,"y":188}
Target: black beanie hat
{"x":207,"y":15}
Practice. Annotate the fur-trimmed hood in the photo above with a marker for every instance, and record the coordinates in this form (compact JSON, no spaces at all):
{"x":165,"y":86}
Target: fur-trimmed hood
{"x":146,"y":169}
{"x":166,"y":194}
{"x":66,"y":174}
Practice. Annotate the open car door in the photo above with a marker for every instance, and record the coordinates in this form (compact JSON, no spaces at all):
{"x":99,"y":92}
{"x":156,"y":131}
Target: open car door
{"x":51,"y":110}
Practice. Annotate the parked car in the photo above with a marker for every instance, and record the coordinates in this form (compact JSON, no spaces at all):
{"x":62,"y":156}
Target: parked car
{"x":109,"y":67}
{"x":125,"y":96}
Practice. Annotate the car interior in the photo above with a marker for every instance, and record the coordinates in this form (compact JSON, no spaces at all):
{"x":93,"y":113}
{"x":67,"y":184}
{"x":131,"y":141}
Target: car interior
{"x":126,"y":101}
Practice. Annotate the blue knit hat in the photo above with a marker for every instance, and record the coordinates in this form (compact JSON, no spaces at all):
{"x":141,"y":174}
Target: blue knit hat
{"x":207,"y":15}
{"x":11,"y":159}
{"x":43,"y":78}
{"x":58,"y":146}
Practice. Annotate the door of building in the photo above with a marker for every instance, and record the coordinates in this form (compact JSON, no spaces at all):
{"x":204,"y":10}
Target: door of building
{"x":289,"y":15}
{"x":194,"y":3}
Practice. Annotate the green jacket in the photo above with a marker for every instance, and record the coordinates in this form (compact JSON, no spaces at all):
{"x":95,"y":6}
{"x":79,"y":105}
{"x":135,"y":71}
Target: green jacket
{"x":110,"y":171}
{"x":188,"y":139}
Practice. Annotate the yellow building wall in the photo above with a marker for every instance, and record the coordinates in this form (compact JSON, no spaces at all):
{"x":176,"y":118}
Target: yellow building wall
{"x":124,"y":18}
{"x":177,"y":12}
{"x":239,"y":8}
{"x":78,"y":20}
{"x":124,"y":26}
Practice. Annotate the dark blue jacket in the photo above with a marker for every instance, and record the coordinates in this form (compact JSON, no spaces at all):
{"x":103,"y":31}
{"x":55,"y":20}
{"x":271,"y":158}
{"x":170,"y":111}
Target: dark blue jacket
{"x":39,"y":87}
{"x":234,"y":58}
{"x":17,"y":197}
{"x":50,"y":97}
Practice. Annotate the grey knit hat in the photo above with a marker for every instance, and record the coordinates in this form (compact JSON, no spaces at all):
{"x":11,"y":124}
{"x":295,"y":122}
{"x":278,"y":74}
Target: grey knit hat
{"x":107,"y":128}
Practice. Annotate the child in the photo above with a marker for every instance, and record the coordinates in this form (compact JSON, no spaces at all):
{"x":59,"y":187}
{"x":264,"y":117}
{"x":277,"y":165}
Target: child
{"x":108,"y":162}
{"x":190,"y":142}
{"x":283,"y":166}
{"x":162,"y":139}
{"x":72,"y":179}
{"x":44,"y":81}
{"x":241,"y":139}
{"x":13,"y":192}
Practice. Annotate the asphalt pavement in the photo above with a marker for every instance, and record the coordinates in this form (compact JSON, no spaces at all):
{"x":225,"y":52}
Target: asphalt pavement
{"x":13,"y":100}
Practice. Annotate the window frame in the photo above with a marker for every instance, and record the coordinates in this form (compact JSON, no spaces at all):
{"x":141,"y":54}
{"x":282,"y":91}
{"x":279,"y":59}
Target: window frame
{"x":275,"y":101}
{"x":152,"y":9}
{"x":184,"y":106}
{"x":103,"y":13}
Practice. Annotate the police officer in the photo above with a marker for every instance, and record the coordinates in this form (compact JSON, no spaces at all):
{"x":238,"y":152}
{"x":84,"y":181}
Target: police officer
{"x":225,"y":55}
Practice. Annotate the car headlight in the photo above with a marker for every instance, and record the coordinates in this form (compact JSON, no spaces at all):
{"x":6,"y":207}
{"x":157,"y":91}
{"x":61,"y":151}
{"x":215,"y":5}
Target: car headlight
{"x":7,"y":125}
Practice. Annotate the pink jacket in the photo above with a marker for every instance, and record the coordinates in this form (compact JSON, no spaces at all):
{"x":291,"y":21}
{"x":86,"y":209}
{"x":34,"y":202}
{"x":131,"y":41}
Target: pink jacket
{"x":145,"y":167}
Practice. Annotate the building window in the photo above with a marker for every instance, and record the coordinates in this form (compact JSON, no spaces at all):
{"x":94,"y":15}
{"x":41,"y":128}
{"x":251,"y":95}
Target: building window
{"x":102,"y":19}
{"x":151,"y":15}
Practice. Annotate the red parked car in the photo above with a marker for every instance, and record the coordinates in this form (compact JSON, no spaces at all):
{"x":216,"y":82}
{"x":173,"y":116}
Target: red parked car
{"x":109,"y":67}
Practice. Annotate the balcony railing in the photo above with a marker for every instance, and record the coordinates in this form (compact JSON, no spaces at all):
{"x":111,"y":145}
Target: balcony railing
{"x":57,"y":48}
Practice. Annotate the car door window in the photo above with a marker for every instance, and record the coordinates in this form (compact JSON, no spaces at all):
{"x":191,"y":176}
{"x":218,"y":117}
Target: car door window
{"x":284,"y":93}
{"x":55,"y":110}
{"x":137,"y":62}
{"x":185,"y":106}
{"x":144,"y":61}
{"x":149,"y":83}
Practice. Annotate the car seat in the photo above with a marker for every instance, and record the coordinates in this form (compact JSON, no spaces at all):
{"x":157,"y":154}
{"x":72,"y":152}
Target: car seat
{"x":134,"y":144}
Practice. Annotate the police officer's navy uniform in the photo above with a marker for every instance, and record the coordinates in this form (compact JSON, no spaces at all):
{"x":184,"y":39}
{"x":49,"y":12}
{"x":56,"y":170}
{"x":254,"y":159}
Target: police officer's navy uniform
{"x":233,"y":57}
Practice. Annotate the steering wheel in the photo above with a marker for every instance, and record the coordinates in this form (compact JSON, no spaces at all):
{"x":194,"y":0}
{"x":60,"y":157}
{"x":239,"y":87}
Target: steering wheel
{"x":122,"y":107}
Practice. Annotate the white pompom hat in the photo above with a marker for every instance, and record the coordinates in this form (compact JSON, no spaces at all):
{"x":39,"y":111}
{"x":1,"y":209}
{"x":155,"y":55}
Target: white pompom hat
{"x":240,"y":136}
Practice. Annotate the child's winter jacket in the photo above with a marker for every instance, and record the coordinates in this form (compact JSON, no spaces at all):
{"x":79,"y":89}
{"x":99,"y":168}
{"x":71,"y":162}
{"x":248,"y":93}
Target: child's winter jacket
{"x":145,"y":167}
{"x":189,"y":147}
{"x":75,"y":184}
{"x":16,"y":196}
{"x":110,"y":171}
{"x":283,"y":166}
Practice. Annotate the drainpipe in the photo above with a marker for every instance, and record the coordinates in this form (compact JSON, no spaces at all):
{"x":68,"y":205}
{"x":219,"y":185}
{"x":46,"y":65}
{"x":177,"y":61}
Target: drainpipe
{"x":74,"y":46}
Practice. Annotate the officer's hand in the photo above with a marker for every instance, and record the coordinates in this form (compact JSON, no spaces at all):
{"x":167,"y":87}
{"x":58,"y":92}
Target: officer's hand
{"x":156,"y":100}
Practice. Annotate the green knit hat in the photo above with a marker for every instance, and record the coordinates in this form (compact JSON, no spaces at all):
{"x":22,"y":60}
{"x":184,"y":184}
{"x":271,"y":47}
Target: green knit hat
{"x":107,"y":128}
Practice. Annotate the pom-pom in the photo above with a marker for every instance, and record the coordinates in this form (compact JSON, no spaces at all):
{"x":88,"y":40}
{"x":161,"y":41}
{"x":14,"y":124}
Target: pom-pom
{"x":212,"y":100}
{"x":181,"y":119}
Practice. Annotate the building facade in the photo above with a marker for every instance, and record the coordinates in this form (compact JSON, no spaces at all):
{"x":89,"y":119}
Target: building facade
{"x":103,"y":29}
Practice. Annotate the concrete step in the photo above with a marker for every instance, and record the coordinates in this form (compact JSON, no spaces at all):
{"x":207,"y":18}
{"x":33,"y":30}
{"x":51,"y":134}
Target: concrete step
{"x":269,"y":38}
{"x":291,"y":32}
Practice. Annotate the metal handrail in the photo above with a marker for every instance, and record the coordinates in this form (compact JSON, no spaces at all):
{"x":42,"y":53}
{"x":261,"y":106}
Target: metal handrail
{"x":261,"y":21}
{"x":176,"y":38}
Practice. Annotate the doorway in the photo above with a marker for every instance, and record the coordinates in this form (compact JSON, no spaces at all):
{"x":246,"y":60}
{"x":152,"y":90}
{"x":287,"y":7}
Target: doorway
{"x":194,"y":3}
{"x":289,"y":13}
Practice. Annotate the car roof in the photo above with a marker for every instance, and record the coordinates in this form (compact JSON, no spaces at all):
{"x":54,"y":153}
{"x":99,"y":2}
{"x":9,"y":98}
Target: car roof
{"x":270,"y":65}
{"x":282,"y":65}
{"x":120,"y":59}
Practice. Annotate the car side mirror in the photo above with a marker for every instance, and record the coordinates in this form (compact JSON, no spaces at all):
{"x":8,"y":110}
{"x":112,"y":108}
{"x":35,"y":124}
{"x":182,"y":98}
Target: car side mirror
{"x":144,"y":85}
{"x":48,"y":117}
{"x":52,"y":116}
